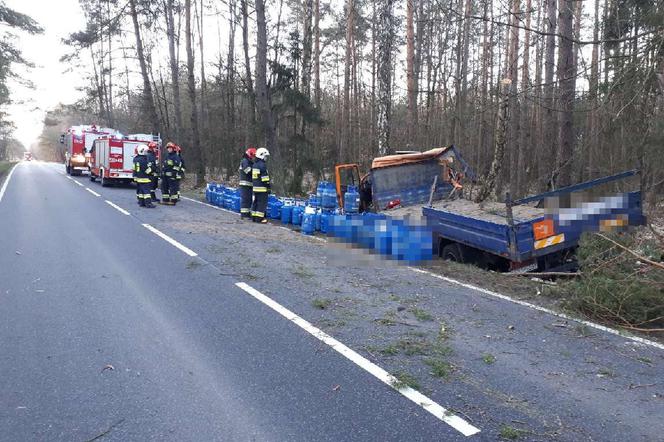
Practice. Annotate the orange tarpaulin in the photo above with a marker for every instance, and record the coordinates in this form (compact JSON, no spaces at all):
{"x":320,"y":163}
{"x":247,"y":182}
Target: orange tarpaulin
{"x":396,"y":160}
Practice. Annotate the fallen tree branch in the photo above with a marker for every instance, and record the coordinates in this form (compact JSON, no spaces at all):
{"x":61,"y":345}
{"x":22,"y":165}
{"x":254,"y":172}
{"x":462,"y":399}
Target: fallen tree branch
{"x":641,"y":258}
{"x":536,"y":275}
{"x":644,"y":330}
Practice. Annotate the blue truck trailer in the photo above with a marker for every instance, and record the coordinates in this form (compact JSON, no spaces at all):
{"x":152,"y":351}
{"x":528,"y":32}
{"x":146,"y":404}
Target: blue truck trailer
{"x":540,"y":232}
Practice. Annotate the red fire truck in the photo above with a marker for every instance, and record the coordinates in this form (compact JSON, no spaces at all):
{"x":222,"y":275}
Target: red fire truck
{"x":78,"y":142}
{"x":112,"y":158}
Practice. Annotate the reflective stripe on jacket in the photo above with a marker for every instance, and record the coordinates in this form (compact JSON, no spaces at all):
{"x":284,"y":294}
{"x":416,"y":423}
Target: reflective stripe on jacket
{"x":245,"y":172}
{"x":259,"y":176}
{"x":172,"y":165}
{"x":152,"y":159}
{"x":143,"y":169}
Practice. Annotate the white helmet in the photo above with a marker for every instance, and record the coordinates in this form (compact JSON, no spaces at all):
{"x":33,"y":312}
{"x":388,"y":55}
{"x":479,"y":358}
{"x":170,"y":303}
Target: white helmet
{"x":142,"y":149}
{"x":262,"y":153}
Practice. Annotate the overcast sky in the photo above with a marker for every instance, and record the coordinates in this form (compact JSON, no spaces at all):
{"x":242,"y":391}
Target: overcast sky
{"x":52,"y":86}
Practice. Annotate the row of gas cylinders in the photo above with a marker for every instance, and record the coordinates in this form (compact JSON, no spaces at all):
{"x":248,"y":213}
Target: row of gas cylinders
{"x":397,"y":239}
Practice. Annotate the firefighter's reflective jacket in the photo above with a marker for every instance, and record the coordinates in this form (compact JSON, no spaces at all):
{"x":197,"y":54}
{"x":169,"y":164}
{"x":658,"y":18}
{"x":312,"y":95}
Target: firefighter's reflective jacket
{"x":143,"y":169}
{"x":260,"y":177}
{"x":180,"y":172}
{"x":245,"y":172}
{"x":152,"y":159}
{"x":172,"y":166}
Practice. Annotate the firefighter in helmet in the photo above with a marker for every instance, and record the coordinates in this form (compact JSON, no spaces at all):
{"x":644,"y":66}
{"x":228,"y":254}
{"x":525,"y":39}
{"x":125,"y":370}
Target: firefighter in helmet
{"x":170,"y":170}
{"x":246,"y":184}
{"x":261,"y":186}
{"x":180,"y":175}
{"x":152,"y":157}
{"x":143,"y":170}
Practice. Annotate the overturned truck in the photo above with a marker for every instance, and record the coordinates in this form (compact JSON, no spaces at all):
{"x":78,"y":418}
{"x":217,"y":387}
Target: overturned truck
{"x":539,"y":232}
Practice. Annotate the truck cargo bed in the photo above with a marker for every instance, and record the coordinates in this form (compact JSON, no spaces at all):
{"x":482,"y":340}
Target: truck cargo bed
{"x":489,"y":211}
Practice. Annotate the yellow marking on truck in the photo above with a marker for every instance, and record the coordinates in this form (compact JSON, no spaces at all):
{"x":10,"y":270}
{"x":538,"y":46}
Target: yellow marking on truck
{"x":550,"y":241}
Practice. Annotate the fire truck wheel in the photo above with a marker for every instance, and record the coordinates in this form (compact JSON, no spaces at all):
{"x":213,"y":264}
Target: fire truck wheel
{"x":92,"y":176}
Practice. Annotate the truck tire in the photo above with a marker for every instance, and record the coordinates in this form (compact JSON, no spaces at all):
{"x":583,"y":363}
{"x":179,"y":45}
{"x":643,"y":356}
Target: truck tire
{"x":452,"y":252}
{"x":92,"y":176}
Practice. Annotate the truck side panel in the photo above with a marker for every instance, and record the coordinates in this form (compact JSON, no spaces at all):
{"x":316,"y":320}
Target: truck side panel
{"x":483,"y":235}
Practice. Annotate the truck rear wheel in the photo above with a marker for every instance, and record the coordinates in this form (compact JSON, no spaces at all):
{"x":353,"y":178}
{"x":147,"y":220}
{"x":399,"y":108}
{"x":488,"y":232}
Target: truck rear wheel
{"x":452,"y":252}
{"x":92,"y":176}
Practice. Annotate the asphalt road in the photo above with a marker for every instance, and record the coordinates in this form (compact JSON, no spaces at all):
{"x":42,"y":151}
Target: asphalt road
{"x":110,"y":331}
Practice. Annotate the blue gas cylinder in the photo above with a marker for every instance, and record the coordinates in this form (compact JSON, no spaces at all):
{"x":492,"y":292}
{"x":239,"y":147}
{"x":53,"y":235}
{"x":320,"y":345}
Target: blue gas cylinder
{"x":308,"y":223}
{"x":327,"y":195}
{"x":218,"y":197}
{"x":274,"y":209}
{"x":236,"y":203}
{"x":383,"y":236}
{"x":318,"y":220}
{"x":324,"y":222}
{"x":320,"y":190}
{"x":314,"y":201}
{"x":352,"y":200}
{"x":296,"y":217}
{"x":208,"y":191}
{"x":286,"y":213}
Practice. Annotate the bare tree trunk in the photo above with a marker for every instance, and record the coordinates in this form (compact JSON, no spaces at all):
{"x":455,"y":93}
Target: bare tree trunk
{"x":410,"y":71}
{"x":591,"y":125}
{"x":248,"y":79}
{"x":317,"y":54}
{"x":524,"y":132}
{"x":175,"y":69}
{"x":148,"y":102}
{"x":514,"y":111}
{"x":345,"y":116}
{"x":489,"y":184}
{"x":386,"y":26}
{"x":549,"y":116}
{"x":196,"y":153}
{"x":567,"y":80}
{"x":111,"y":118}
{"x":262,"y":95}
{"x":204,"y":114}
{"x":230,"y":151}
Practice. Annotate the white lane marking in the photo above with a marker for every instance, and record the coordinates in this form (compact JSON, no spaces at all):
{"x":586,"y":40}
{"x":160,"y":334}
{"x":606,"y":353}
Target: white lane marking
{"x":544,"y":309}
{"x":167,"y":238}
{"x":120,"y":209}
{"x":69,"y":178}
{"x":77,"y":183}
{"x":206,"y":204}
{"x":4,"y":185}
{"x":432,"y":407}
{"x":92,"y":191}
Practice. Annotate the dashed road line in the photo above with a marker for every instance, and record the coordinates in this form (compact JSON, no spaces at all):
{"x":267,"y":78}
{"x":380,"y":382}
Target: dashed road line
{"x":77,"y":183}
{"x":167,"y":238}
{"x":92,"y":191}
{"x":118,"y":208}
{"x":4,"y":185}
{"x":423,"y":401}
{"x":542,"y":309}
